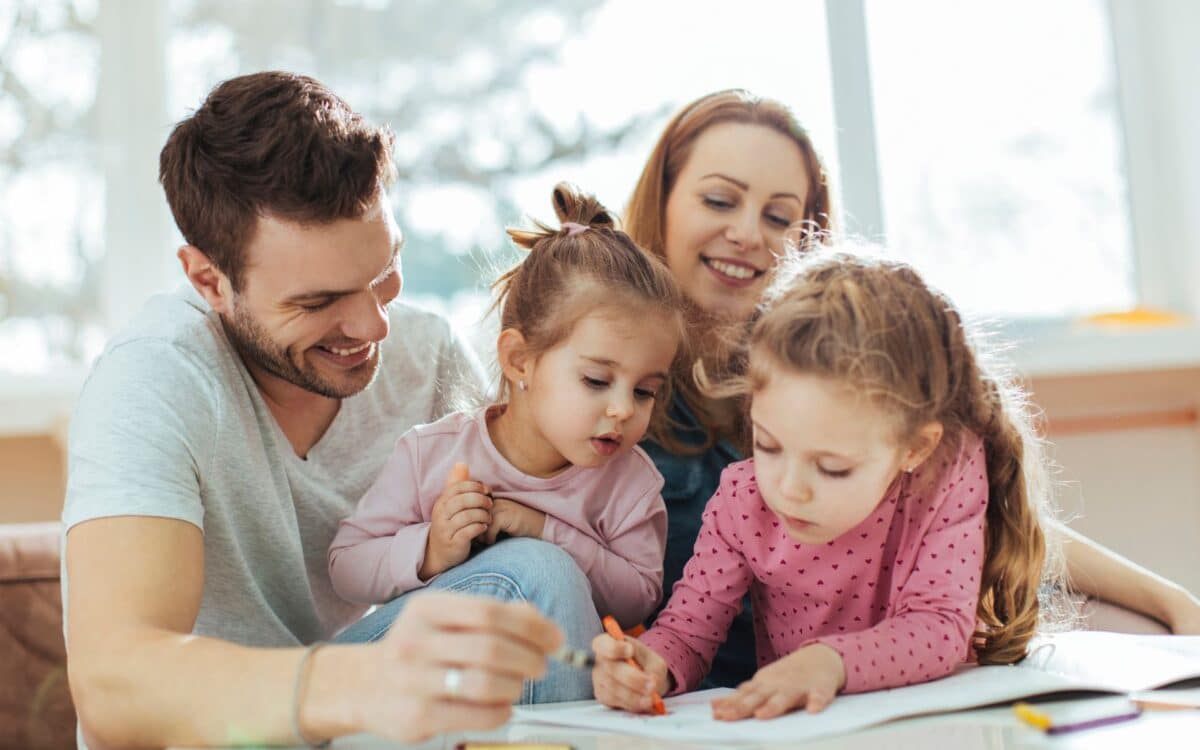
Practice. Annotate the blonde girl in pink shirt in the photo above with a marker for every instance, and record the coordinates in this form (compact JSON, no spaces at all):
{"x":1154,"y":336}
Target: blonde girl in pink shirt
{"x":545,"y":495}
{"x":887,"y":526}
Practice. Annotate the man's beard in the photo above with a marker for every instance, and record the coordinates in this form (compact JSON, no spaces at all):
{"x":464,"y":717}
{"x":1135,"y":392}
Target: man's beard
{"x":256,"y":346}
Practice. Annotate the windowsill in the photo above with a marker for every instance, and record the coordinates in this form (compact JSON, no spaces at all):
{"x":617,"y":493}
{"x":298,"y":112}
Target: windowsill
{"x":1061,"y":348}
{"x":40,"y":404}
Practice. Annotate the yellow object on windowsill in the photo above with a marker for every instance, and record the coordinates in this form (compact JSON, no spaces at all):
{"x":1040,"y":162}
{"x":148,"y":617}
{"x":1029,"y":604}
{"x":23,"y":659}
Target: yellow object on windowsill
{"x":1138,"y":317}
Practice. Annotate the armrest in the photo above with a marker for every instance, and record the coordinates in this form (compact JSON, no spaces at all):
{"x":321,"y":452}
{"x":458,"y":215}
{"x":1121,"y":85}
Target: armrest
{"x":35,"y":704}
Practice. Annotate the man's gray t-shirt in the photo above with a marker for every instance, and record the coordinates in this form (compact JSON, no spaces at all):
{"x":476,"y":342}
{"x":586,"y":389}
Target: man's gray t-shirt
{"x":171,"y":424}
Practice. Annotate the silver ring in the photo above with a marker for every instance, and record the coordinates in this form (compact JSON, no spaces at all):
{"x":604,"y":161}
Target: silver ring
{"x":452,"y":682}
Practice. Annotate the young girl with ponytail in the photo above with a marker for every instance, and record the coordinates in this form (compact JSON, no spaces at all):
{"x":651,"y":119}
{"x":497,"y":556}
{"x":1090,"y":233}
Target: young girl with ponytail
{"x":888,"y":525}
{"x":590,"y":327}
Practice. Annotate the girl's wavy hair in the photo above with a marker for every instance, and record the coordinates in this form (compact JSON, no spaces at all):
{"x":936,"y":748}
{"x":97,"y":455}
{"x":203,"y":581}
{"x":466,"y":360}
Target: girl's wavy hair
{"x":645,"y":220}
{"x":573,"y":271}
{"x":875,"y":324}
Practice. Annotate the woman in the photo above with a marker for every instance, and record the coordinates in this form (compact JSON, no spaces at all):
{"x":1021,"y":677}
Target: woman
{"x":729,"y":175}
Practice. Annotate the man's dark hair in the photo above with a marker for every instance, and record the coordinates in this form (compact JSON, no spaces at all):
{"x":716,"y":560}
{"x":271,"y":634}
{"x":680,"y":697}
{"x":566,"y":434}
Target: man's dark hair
{"x":269,"y":143}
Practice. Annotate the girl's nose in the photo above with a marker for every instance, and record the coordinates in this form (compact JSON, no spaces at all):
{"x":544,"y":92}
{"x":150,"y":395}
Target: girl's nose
{"x":795,"y":488}
{"x":620,"y":408}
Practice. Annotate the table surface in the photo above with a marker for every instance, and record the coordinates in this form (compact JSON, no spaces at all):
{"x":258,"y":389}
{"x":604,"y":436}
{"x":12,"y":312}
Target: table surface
{"x":981,"y":729}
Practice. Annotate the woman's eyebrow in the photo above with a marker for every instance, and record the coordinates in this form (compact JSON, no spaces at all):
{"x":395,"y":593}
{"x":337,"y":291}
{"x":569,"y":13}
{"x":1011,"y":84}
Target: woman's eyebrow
{"x":746,"y":186}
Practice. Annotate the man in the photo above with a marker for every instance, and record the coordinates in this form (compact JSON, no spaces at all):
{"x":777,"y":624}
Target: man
{"x":228,"y":429}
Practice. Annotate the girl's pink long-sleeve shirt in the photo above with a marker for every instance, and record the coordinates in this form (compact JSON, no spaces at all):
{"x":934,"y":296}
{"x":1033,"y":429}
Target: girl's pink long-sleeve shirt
{"x":896,"y":596}
{"x":611,"y":519}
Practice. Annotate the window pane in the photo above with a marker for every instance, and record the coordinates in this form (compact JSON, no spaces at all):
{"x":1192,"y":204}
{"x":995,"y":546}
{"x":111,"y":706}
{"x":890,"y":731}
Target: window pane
{"x":51,"y":185}
{"x":1000,"y":152}
{"x":492,"y":103}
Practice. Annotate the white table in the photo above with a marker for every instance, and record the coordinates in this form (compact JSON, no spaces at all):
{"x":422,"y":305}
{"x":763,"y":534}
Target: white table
{"x":982,"y":729}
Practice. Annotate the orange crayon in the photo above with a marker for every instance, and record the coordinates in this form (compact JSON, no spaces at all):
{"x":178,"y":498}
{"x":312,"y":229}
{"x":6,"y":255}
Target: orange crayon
{"x":612,"y":628}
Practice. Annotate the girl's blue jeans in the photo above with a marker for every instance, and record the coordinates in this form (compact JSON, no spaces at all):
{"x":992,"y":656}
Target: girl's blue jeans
{"x":515,"y":570}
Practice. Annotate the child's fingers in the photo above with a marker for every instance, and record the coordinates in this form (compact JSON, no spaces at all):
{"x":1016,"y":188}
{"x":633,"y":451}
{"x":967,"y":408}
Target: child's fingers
{"x":469,"y":516}
{"x":464,"y":535}
{"x":493,"y":530}
{"x":633,"y":678}
{"x":469,"y":529}
{"x":468,"y":487}
{"x":778,"y":705}
{"x":458,"y":473}
{"x":818,"y":700}
{"x":611,"y":683}
{"x":741,"y":704}
{"x":458,"y":503}
{"x":607,"y":647}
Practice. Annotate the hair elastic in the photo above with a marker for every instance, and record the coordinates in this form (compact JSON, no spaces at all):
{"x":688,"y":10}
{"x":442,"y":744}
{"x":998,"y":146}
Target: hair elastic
{"x":573,"y":228}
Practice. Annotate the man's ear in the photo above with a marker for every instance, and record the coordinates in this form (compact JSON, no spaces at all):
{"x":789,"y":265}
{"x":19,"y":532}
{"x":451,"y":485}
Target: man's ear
{"x":922,"y":446}
{"x":513,"y":356}
{"x":206,"y":278}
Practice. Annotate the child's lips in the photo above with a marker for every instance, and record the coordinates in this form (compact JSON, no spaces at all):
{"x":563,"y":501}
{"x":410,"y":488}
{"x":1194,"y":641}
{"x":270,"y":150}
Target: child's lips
{"x":797,"y":524}
{"x":606,"y":445}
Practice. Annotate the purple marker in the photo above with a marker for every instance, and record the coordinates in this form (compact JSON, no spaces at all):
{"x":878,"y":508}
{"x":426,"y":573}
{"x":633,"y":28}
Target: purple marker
{"x":1101,"y":721}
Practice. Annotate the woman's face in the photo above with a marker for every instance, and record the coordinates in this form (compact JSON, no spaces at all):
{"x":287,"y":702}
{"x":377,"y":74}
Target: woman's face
{"x":739,"y":190}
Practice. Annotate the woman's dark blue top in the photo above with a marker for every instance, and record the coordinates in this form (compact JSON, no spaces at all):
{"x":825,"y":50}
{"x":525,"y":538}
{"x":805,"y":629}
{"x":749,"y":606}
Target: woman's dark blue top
{"x":690,"y":481}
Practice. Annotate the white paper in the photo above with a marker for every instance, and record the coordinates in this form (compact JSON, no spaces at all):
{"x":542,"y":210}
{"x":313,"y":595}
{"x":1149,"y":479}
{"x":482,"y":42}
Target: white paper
{"x":1107,"y":662}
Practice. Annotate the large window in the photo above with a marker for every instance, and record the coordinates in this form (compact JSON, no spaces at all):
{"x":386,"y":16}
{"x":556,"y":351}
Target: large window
{"x":492,"y":103}
{"x":984,"y":141}
{"x":1000,"y":157}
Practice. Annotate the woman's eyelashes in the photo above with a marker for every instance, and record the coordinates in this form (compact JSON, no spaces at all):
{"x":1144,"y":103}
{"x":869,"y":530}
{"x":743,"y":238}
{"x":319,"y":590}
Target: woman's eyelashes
{"x":720,"y":204}
{"x":781,"y":220}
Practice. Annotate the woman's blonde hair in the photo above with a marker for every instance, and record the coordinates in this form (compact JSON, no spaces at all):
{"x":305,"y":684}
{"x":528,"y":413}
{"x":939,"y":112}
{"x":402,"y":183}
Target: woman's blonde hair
{"x":645,"y":220}
{"x":586,"y":265}
{"x":877,"y":326}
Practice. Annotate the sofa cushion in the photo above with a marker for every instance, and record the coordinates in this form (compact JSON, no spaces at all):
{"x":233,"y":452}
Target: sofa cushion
{"x":35,"y":704}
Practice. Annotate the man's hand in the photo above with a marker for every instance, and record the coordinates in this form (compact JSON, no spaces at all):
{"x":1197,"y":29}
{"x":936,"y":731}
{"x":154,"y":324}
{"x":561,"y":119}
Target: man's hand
{"x":619,"y":684}
{"x":399,"y":687}
{"x":808,"y":678}
{"x":461,"y":514}
{"x":514,"y":519}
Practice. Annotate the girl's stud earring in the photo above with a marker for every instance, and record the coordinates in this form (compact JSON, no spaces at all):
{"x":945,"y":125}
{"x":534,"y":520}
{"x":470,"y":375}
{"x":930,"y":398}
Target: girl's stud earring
{"x":521,"y":385}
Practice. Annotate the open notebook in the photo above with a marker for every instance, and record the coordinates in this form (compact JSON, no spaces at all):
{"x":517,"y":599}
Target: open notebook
{"x":1062,"y":662}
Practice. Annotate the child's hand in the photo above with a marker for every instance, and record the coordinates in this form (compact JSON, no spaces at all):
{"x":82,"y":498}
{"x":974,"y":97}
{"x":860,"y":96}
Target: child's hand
{"x":514,"y":519}
{"x":462,"y":513}
{"x":809,"y":677}
{"x":619,"y":684}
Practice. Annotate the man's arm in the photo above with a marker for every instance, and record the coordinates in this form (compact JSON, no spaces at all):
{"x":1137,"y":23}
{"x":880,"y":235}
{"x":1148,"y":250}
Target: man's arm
{"x":139,"y":678}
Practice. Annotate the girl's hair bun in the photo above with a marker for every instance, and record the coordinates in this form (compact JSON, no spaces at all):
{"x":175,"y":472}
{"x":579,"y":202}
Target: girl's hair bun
{"x":572,"y":205}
